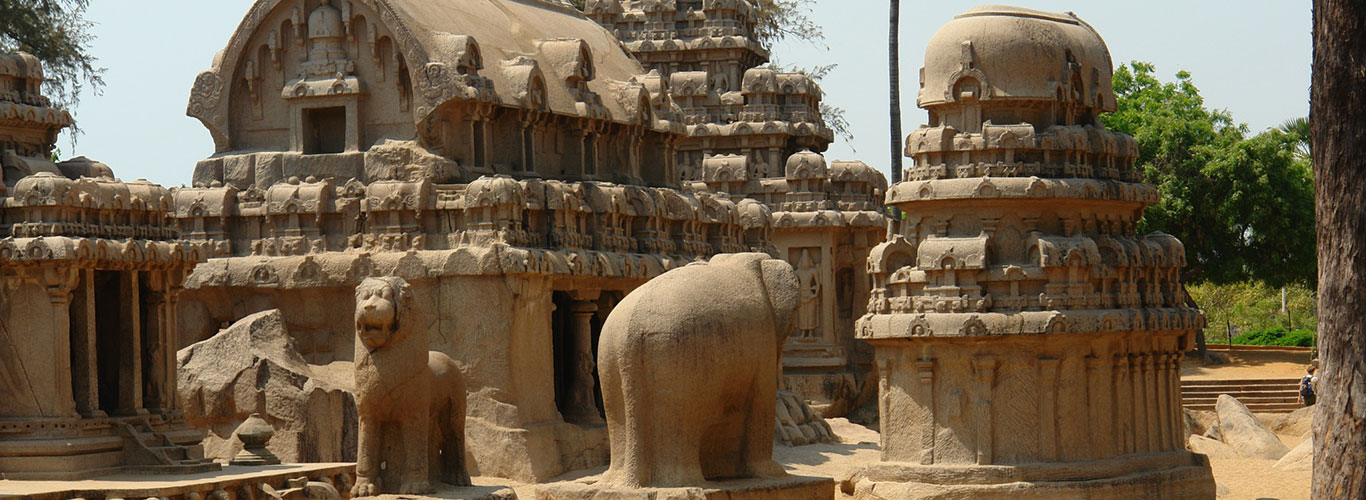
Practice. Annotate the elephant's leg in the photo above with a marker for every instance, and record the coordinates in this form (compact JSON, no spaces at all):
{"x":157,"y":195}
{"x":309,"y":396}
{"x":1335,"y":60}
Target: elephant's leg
{"x":624,"y":424}
{"x":677,"y":447}
{"x":367,"y":459}
{"x":414,"y":430}
{"x":453,"y":470}
{"x":758,"y":422}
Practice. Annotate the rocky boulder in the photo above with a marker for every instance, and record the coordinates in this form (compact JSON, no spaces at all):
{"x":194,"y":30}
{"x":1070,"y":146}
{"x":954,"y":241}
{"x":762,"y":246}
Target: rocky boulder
{"x":254,"y":366}
{"x":1210,"y":447}
{"x":797,"y":424}
{"x":1299,"y":459}
{"x":1241,"y":430}
{"x":1199,"y":421}
{"x":1295,"y":423}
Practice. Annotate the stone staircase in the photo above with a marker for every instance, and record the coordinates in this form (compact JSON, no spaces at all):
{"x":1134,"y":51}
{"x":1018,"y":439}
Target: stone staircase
{"x":149,"y":450}
{"x":1260,"y":395}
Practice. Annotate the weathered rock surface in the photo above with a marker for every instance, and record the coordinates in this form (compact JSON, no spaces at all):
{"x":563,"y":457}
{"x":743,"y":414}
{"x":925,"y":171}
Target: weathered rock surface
{"x":253,"y":366}
{"x":1210,"y":447}
{"x":1299,"y":459}
{"x":798,"y":424}
{"x":1241,"y":430}
{"x":1295,"y":423}
{"x":1199,"y":421}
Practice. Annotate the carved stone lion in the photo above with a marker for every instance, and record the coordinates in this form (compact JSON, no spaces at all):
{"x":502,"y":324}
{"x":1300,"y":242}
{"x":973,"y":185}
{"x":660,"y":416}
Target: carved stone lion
{"x":410,"y":401}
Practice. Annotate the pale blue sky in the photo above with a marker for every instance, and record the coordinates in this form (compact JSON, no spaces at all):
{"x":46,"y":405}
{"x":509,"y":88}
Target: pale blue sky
{"x":1251,"y":57}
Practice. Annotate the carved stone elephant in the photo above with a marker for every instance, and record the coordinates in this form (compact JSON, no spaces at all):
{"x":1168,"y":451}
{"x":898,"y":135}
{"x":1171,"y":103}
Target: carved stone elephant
{"x":689,"y":368}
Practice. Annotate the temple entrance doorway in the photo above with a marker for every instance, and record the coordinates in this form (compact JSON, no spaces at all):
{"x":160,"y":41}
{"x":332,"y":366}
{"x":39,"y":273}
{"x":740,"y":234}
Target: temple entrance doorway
{"x":112,"y":341}
{"x":576,"y":327}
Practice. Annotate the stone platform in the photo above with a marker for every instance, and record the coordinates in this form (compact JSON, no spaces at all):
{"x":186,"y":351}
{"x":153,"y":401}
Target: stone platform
{"x":1153,"y":476}
{"x":785,"y":488}
{"x":445,"y":492}
{"x":233,"y":480}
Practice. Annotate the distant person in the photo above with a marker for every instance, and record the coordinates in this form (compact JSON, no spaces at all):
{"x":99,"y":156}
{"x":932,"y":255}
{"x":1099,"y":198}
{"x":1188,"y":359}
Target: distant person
{"x":1307,"y":383}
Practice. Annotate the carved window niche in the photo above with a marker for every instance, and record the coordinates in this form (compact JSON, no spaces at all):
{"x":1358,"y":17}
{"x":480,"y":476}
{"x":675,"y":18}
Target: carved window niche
{"x":327,"y":124}
{"x":324,"y":130}
{"x":324,"y":100}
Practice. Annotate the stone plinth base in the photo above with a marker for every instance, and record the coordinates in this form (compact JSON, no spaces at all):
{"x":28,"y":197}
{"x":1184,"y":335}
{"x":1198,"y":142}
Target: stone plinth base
{"x":67,"y":449}
{"x":536,"y":454}
{"x":237,"y":481}
{"x":448,"y":492}
{"x":1181,"y":475}
{"x":785,"y":488}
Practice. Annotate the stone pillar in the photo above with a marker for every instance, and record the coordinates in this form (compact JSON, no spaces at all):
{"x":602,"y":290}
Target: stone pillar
{"x":154,"y":354}
{"x":776,"y":162}
{"x":1138,"y":403}
{"x":1048,"y":407}
{"x":925,"y":369}
{"x":1124,"y":414}
{"x":171,"y":338}
{"x":1164,"y":434}
{"x":85,"y":380}
{"x":984,"y":371}
{"x":582,"y":408}
{"x":1178,"y":417}
{"x":1096,"y":403}
{"x":1151,"y":425}
{"x":59,"y":283}
{"x":130,"y":352}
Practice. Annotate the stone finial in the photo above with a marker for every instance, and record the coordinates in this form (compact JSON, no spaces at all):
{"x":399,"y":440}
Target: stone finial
{"x":254,"y":433}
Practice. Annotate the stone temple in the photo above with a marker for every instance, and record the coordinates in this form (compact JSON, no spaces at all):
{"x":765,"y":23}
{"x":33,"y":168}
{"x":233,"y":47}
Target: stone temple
{"x":90,"y":278}
{"x":611,"y":219}
{"x":523,"y":174}
{"x":1028,"y":340}
{"x":751,"y":132}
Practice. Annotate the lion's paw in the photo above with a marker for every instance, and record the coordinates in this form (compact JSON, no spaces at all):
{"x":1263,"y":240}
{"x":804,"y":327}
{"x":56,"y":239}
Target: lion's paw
{"x":416,"y":487}
{"x":364,"y":488}
{"x":767,"y":468}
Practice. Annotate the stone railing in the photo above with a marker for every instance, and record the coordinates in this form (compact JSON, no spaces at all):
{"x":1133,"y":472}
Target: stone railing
{"x":303,"y":218}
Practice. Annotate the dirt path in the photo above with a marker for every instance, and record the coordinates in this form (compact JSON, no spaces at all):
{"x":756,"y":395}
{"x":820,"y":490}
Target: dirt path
{"x":1248,"y":365}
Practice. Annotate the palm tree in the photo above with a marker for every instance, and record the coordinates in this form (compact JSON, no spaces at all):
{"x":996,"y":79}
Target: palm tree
{"x":1338,"y":121}
{"x":1300,"y":128}
{"x":894,"y":73}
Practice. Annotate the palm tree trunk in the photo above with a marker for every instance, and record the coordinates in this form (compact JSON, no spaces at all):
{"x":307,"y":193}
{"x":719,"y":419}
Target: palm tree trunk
{"x":1338,"y":140}
{"x":894,"y":73}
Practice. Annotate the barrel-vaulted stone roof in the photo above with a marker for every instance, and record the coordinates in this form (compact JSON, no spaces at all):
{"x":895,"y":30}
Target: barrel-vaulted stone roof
{"x":434,"y":39}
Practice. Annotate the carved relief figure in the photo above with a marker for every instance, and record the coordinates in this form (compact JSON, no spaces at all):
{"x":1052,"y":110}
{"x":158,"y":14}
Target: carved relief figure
{"x":668,"y":428}
{"x":406,"y":393}
{"x":808,"y":309}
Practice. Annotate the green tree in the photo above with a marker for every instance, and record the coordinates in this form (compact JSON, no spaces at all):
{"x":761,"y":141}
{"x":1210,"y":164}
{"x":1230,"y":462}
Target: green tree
{"x":57,"y":33}
{"x":1243,"y":206}
{"x":778,"y":20}
{"x":1300,"y":128}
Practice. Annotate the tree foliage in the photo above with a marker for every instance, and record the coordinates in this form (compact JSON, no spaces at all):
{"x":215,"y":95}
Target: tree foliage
{"x":1243,"y":206}
{"x":831,"y":114}
{"x":1251,"y":306}
{"x":778,"y":20}
{"x":57,"y":33}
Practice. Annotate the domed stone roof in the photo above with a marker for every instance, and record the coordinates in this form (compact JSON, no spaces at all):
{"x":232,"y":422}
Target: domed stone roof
{"x":1015,"y":53}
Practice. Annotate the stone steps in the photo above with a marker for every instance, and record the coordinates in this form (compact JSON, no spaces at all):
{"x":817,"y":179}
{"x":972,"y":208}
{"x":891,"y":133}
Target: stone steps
{"x":1260,"y":395}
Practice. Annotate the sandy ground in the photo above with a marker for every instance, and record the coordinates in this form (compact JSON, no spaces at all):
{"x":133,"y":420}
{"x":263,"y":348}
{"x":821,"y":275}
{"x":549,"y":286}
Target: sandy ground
{"x":1248,"y":365}
{"x":1243,"y":479}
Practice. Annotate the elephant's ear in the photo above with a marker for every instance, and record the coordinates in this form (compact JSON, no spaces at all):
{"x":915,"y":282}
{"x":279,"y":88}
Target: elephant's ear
{"x":783,"y":293}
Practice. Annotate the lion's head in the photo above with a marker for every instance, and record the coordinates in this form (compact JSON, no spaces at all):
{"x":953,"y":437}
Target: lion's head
{"x":380,"y":306}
